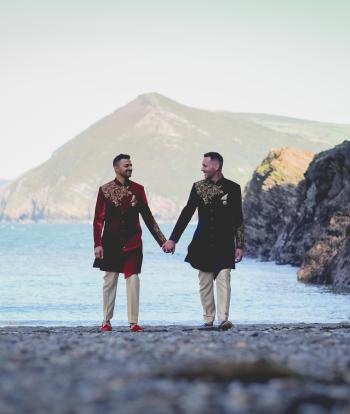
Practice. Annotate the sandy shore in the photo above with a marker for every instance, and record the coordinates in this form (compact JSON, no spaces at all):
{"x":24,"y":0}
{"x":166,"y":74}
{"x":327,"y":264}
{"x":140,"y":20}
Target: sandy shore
{"x":291,"y":368}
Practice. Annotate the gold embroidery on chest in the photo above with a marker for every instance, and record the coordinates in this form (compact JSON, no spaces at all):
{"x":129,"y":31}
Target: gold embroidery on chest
{"x":207,"y":191}
{"x":115,"y":192}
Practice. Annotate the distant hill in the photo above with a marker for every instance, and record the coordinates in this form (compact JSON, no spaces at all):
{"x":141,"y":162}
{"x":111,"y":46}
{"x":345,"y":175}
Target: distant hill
{"x":166,"y":140}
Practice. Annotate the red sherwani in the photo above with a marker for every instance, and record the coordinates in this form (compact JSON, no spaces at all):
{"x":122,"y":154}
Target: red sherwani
{"x":117,"y":226}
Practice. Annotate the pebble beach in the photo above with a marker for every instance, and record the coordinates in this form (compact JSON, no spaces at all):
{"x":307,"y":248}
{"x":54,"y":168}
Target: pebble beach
{"x":284,"y":368}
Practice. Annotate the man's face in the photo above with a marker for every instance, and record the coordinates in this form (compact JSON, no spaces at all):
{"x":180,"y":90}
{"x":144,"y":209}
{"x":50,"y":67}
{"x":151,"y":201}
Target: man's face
{"x":209,"y":167}
{"x":124,"y":168}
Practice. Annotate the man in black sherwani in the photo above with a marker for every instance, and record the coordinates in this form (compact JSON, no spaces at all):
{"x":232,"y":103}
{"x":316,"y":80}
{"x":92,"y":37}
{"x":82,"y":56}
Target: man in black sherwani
{"x":218,"y":240}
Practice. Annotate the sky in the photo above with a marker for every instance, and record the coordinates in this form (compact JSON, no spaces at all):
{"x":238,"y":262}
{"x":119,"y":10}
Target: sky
{"x":66,"y":64}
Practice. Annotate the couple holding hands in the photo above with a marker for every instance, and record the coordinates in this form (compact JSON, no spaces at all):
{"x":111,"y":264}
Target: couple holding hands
{"x":216,"y":246}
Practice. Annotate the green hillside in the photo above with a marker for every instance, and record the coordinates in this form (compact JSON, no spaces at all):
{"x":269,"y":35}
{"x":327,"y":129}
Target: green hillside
{"x":166,"y":140}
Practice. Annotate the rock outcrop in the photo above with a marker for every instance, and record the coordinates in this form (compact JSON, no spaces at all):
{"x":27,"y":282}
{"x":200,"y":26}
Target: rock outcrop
{"x":317,"y":235}
{"x":305,"y":223}
{"x":270,"y":198}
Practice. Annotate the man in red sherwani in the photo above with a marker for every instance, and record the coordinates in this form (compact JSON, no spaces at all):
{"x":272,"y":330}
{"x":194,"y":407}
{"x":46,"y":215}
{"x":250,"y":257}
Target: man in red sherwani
{"x":117,"y":237}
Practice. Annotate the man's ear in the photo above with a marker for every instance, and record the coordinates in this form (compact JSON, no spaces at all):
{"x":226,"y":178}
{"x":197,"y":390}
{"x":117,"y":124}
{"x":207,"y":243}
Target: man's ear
{"x":217,"y":165}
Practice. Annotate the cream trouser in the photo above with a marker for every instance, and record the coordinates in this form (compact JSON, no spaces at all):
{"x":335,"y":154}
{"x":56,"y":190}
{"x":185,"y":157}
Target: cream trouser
{"x":132,"y":296}
{"x":223,"y":294}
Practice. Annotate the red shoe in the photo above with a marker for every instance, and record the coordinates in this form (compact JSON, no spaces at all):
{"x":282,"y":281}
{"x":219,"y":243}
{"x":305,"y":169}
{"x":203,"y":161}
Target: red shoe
{"x":136,"y":328}
{"x":106,"y":327}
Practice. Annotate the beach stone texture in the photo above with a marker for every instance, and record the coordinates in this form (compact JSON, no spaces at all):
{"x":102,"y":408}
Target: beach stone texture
{"x":284,"y":368}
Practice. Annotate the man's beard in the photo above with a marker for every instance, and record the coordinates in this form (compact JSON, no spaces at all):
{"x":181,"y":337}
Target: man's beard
{"x":126,"y":174}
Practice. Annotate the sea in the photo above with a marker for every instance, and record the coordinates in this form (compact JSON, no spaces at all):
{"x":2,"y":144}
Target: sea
{"x":47,"y":278}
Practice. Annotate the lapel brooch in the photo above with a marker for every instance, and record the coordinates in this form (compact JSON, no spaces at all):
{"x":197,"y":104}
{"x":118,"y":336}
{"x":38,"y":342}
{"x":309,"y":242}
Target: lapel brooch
{"x":224,"y":199}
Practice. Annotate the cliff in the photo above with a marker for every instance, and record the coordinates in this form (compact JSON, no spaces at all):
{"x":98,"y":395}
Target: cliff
{"x":317,"y":236}
{"x":270,"y":198}
{"x":299,"y":214}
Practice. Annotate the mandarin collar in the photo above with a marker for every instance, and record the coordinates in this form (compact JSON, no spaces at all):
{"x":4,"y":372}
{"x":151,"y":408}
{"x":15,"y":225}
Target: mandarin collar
{"x":219,"y":182}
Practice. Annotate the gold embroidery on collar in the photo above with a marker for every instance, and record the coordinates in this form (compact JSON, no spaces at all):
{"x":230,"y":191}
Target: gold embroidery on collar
{"x":207,"y":190}
{"x":115,"y":192}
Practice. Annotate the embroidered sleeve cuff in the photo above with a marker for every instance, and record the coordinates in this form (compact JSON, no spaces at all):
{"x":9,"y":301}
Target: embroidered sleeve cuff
{"x":240,"y":236}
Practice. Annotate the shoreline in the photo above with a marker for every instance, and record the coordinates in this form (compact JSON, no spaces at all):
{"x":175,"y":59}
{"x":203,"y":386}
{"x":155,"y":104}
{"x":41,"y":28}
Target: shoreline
{"x":149,"y":327}
{"x":252,"y":368}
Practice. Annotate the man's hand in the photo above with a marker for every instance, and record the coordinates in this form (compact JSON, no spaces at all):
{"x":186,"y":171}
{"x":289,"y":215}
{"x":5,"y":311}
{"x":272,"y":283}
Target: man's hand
{"x":99,"y":252}
{"x":169,"y":246}
{"x":238,"y":255}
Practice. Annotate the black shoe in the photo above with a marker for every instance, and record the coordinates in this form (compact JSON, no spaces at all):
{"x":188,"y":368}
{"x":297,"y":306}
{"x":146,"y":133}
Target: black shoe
{"x":225,"y":325}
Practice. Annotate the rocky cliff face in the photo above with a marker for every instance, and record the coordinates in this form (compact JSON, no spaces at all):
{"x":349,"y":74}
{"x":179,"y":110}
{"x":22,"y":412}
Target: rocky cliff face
{"x":305,"y":223}
{"x":317,"y":236}
{"x":270,"y":198}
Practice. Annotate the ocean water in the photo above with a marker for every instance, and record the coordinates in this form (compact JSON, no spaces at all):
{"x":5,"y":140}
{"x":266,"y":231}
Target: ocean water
{"x":46,"y":278}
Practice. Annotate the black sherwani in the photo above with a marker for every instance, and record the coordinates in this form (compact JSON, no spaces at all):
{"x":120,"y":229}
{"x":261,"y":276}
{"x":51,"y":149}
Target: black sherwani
{"x":220,"y":226}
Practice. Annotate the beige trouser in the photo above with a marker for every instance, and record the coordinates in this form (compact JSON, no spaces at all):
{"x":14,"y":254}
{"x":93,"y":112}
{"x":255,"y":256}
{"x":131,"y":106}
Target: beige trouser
{"x":132,"y":296}
{"x":223,"y":294}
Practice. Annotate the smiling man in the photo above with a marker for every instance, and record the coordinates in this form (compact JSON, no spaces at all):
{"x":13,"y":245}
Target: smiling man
{"x":117,"y":237}
{"x":218,"y":241}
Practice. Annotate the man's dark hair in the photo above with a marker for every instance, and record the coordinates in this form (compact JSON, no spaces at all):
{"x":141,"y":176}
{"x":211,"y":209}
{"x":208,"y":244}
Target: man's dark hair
{"x":215,"y":156}
{"x":120,"y":157}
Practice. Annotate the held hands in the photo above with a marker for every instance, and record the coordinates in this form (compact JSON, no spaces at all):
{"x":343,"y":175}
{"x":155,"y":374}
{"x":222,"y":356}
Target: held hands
{"x":238,"y":255}
{"x":99,"y":252}
{"x":169,"y":246}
